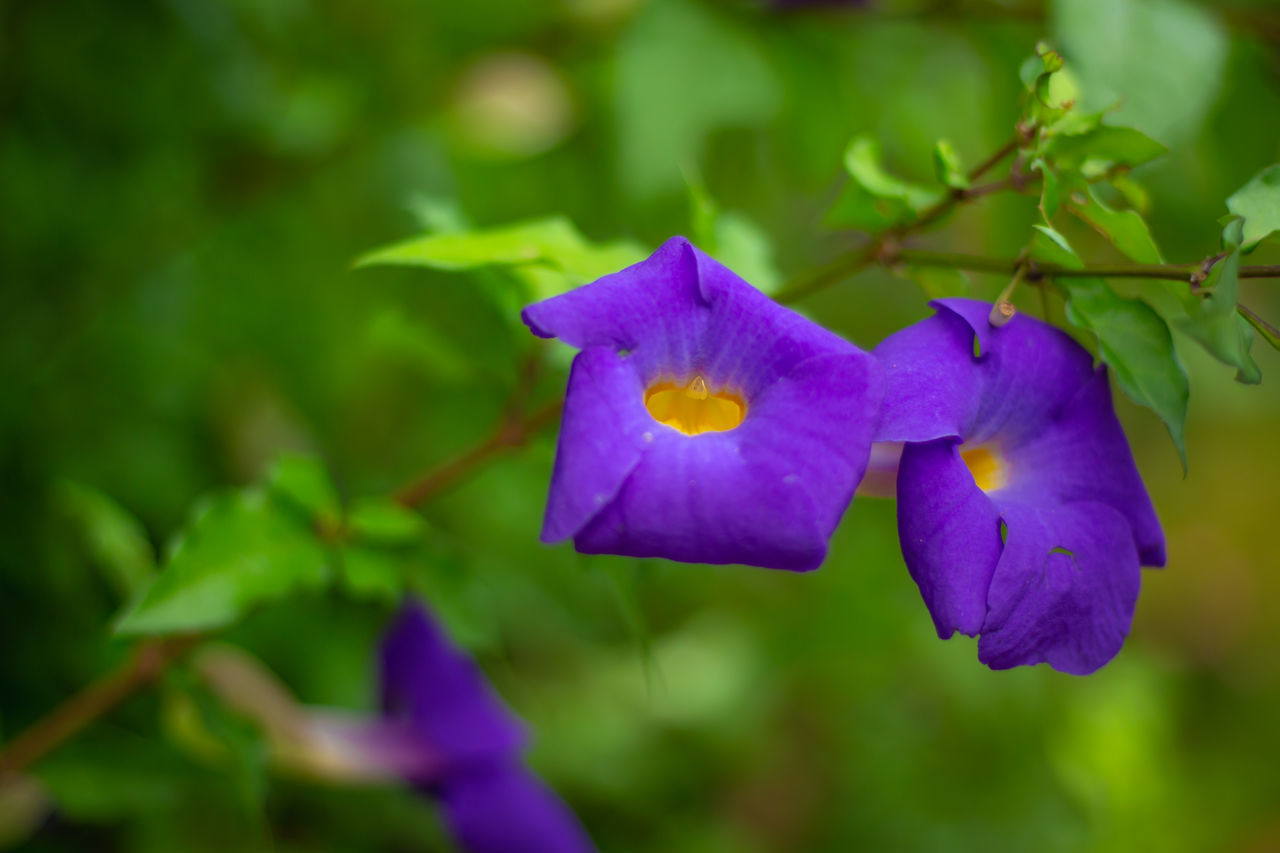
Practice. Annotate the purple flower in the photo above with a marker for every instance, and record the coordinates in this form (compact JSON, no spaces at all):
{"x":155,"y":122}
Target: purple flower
{"x":491,"y":802}
{"x":703,"y":422}
{"x":1021,"y":514}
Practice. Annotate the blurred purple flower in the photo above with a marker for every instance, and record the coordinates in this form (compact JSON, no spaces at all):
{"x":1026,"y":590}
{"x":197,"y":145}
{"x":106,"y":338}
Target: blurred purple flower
{"x":703,"y":422}
{"x":491,"y":802}
{"x":1021,"y":514}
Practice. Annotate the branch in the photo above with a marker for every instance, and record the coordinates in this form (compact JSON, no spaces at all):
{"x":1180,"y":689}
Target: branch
{"x":145,"y":664}
{"x":811,"y":281}
{"x":1037,"y":271}
{"x":511,"y":432}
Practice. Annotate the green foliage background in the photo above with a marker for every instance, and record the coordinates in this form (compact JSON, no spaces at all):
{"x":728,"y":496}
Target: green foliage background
{"x":184,"y":187}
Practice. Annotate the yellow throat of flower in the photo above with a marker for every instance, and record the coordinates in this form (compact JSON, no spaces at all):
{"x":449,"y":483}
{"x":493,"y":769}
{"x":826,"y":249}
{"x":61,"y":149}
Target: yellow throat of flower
{"x":987,"y":467}
{"x":694,"y":409}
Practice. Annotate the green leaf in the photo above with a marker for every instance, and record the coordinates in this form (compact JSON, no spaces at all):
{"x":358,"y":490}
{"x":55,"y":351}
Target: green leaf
{"x":116,"y":540}
{"x":372,"y":573}
{"x":1134,"y":193}
{"x":682,"y":71}
{"x":1214,"y":322}
{"x":1126,"y":229}
{"x":1106,"y":146}
{"x":550,"y":255}
{"x":239,"y":550}
{"x":1161,"y":60}
{"x":384,"y":521}
{"x":1269,"y":333}
{"x":947,"y":167}
{"x":1135,"y":343}
{"x":875,"y":200}
{"x":1259,"y":203}
{"x":1049,"y":192}
{"x":1050,"y":247}
{"x":305,"y":482}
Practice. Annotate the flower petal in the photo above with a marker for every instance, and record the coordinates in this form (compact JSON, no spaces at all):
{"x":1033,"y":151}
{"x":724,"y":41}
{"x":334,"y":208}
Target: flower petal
{"x":1082,"y":455}
{"x":1071,"y":610}
{"x":503,"y":808}
{"x":750,"y":341}
{"x":932,"y":386}
{"x":440,"y":691}
{"x":768,"y":493}
{"x":950,"y":534}
{"x":1029,"y":370}
{"x":601,"y":440}
{"x":681,"y":312}
{"x":654,"y":307}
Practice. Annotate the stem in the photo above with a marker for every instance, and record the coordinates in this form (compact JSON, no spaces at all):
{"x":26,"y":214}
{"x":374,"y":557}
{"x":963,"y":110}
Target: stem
{"x":145,"y":664}
{"x":511,"y":432}
{"x":976,"y":263}
{"x":824,"y":276}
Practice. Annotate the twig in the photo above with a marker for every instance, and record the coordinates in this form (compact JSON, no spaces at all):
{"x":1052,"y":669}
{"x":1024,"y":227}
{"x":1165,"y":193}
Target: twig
{"x":1037,"y":271}
{"x":511,"y":432}
{"x":145,"y":664}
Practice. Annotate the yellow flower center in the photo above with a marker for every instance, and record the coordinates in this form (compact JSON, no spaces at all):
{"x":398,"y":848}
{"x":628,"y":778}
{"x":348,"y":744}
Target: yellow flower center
{"x":692,"y":408}
{"x":987,"y":467}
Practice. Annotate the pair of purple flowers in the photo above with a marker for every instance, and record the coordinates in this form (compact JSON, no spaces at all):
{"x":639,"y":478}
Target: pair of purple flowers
{"x":706,"y":423}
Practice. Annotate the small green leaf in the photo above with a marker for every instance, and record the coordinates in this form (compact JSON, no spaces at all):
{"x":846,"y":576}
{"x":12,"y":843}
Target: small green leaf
{"x":116,"y":540}
{"x":550,"y":255}
{"x":1134,"y":193}
{"x":1125,"y":229}
{"x":1269,"y":333}
{"x":1050,"y":247}
{"x":1049,"y":193}
{"x":875,"y":200}
{"x":305,"y":482}
{"x":1214,"y":322}
{"x":240,"y":550}
{"x":1259,"y":203}
{"x":372,"y":573}
{"x":863,"y":163}
{"x":1105,"y":145}
{"x":384,"y":521}
{"x":1135,"y":343}
{"x":947,"y":167}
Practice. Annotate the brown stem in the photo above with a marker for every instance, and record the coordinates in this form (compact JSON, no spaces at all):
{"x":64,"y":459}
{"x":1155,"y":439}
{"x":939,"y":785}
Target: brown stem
{"x":145,"y":664}
{"x":511,"y":432}
{"x":1037,"y":271}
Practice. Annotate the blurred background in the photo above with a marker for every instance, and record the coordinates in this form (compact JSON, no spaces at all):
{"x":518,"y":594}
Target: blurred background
{"x":183,"y":188}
